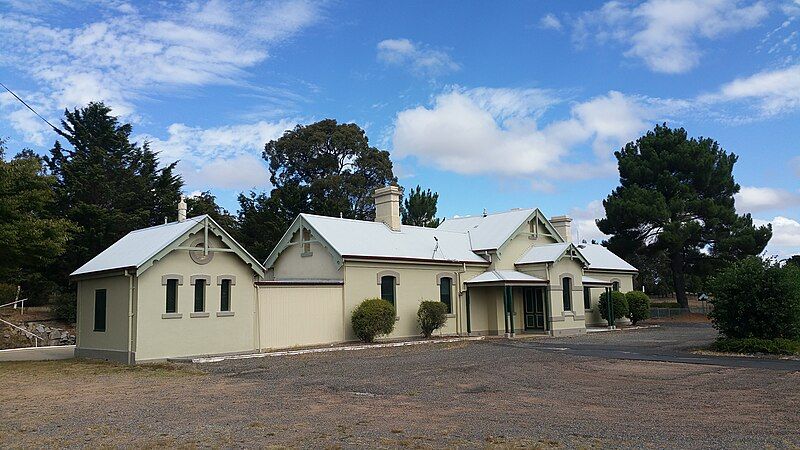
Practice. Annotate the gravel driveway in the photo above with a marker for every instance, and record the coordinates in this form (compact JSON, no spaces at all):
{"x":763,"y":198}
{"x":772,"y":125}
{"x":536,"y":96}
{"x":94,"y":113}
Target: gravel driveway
{"x":492,"y":393}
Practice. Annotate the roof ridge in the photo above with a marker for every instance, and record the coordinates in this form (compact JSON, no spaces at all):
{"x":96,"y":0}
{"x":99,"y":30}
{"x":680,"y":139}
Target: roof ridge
{"x":193,"y":219}
{"x":480,"y":216}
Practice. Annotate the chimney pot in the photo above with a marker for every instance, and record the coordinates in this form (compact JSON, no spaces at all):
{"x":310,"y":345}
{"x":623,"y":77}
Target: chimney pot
{"x":387,"y":206}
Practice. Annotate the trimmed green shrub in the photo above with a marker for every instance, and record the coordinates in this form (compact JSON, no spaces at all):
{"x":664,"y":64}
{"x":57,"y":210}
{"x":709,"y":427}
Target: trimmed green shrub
{"x":755,"y":345}
{"x":665,"y":305}
{"x":756,"y":298}
{"x":638,"y":306}
{"x":619,"y":303}
{"x":373,"y":317}
{"x":65,"y":307}
{"x":431,"y":316}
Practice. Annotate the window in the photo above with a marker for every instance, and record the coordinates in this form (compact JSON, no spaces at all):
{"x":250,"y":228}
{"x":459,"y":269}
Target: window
{"x":587,"y":297}
{"x":388,"y":288}
{"x":172,"y":295}
{"x":199,"y":295}
{"x":225,"y":295}
{"x":615,"y":286}
{"x":445,"y":293}
{"x":100,"y":310}
{"x":566,"y":291}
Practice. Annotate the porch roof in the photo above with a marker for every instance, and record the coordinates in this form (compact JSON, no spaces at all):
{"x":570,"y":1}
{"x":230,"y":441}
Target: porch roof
{"x":595,"y":281}
{"x":504,"y":278}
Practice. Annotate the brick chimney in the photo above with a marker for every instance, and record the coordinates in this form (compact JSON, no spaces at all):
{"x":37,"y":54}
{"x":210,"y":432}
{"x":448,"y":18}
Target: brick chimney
{"x":562,"y":225}
{"x":387,"y":206}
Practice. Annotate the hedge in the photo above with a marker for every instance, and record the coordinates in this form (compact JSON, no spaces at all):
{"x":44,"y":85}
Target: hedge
{"x":777,"y":346}
{"x":638,"y":306}
{"x":431,"y":316}
{"x":620,"y":305}
{"x":373,"y":317}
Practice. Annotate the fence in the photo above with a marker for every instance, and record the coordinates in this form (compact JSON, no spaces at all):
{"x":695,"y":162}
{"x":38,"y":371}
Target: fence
{"x":658,"y":313}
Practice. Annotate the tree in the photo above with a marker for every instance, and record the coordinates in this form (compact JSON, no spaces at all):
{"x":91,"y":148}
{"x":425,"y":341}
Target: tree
{"x":206,"y":203}
{"x":676,"y":198}
{"x":325,"y":168}
{"x":794,"y":260}
{"x":419,"y":208}
{"x":106,"y":184}
{"x":31,"y":236}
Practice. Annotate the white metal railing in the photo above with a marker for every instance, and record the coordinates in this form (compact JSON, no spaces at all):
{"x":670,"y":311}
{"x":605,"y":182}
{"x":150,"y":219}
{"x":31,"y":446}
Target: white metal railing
{"x":33,"y":335}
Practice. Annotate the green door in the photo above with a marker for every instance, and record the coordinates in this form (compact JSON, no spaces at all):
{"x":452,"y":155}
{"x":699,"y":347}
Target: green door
{"x":534,"y":308}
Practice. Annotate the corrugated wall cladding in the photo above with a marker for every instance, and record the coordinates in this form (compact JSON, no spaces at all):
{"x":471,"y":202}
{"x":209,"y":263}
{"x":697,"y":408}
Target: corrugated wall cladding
{"x":293,"y":316}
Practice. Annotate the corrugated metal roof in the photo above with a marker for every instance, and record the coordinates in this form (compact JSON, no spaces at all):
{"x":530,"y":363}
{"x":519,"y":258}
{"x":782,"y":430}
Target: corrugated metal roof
{"x":374,"y":239}
{"x":600,"y":257}
{"x":590,"y":280}
{"x":543,"y":253}
{"x":490,"y":231}
{"x":137,"y":247}
{"x":504,"y":276}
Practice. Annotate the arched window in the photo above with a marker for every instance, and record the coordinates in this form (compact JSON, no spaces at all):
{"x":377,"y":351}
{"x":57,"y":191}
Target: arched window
{"x":446,"y":292}
{"x":615,"y":286}
{"x":388,"y":292}
{"x":566,"y":291}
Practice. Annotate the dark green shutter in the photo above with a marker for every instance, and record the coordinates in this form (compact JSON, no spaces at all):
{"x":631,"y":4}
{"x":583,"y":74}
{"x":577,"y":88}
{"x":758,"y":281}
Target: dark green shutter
{"x":587,"y":297}
{"x":225,"y":296}
{"x":566,"y":290}
{"x":445,"y":288}
{"x":100,"y":310}
{"x":172,"y":296}
{"x":387,"y":288}
{"x":199,"y":295}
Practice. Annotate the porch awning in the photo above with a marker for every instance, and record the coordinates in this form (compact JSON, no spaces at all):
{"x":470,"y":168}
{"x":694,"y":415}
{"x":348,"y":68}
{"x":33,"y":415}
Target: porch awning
{"x":504,"y":278}
{"x":595,"y":282}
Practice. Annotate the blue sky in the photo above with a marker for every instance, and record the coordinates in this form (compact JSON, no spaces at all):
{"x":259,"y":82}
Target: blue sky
{"x":493,"y":104}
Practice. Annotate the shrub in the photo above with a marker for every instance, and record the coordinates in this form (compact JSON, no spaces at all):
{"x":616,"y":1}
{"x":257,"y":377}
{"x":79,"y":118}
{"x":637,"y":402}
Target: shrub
{"x":756,"y":298}
{"x":619,"y":302}
{"x":373,"y":317}
{"x":431,"y":316}
{"x":8,"y":292}
{"x":756,"y":345}
{"x":65,"y":307}
{"x":638,"y":306}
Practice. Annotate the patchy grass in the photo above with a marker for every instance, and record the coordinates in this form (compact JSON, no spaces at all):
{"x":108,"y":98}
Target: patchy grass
{"x":86,"y":367}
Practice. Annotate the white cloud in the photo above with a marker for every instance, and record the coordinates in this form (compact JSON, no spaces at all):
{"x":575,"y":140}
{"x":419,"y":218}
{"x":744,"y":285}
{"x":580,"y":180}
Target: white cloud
{"x":666,"y":34}
{"x":131,"y":55}
{"x":772,"y":91}
{"x":550,"y":22}
{"x":497,"y":131}
{"x":419,"y":59}
{"x":752,"y":199}
{"x":785,"y":236}
{"x":584,"y":226}
{"x":227,"y":157}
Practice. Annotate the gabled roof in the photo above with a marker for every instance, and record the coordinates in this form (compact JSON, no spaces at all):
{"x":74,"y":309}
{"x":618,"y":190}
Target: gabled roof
{"x":550,"y":253}
{"x":505,"y":277}
{"x":601,"y":258}
{"x":360,"y":238}
{"x":491,"y":231}
{"x":138,"y":248}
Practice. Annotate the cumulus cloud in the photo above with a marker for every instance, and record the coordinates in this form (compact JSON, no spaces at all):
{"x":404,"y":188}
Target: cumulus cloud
{"x":550,"y":22}
{"x":130,"y":54}
{"x":498,"y":131}
{"x":785,"y":240}
{"x":771,"y":91}
{"x":667,"y":34}
{"x":227,"y":157}
{"x":753,"y":199}
{"x":418,"y":58}
{"x":584,"y":225}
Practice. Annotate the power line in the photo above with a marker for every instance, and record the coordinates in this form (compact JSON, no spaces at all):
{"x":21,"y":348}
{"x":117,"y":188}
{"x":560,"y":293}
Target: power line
{"x":32,"y":110}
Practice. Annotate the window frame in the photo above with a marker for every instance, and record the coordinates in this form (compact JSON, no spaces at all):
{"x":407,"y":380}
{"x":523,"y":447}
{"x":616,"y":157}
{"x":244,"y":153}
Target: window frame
{"x":199,"y":288}
{"x":448,"y":291}
{"x":225,"y":295}
{"x":615,"y":285}
{"x":96,"y":326}
{"x":389,"y":281}
{"x":587,"y":297}
{"x":171,"y":282}
{"x":566,"y":293}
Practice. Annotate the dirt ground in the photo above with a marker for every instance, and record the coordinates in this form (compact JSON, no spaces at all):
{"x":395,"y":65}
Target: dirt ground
{"x":495,"y":393}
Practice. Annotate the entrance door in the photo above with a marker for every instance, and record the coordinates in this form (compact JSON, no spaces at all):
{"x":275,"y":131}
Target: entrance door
{"x":534,"y":308}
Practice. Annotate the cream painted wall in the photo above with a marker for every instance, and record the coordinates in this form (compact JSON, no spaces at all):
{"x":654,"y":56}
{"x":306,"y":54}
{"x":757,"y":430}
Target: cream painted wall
{"x":160,"y":338}
{"x":115,"y":338}
{"x":516,"y":247}
{"x":417,"y":282}
{"x":625,"y":285}
{"x":319,"y":264}
{"x":300,"y":315}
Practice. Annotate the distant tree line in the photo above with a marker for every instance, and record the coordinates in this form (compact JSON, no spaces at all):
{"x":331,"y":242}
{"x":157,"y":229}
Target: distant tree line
{"x":60,"y":210}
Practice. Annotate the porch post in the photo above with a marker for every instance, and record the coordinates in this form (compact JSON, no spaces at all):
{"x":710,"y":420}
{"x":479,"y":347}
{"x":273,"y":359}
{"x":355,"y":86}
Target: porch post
{"x":511,"y":309}
{"x":505,"y":309}
{"x":547,"y":321}
{"x":469,"y":324}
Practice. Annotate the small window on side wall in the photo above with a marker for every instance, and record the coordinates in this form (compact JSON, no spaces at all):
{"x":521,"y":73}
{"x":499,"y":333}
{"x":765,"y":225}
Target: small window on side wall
{"x":199,"y":295}
{"x":172,"y":296}
{"x":615,"y":286}
{"x":100,"y":310}
{"x":446,"y":293}
{"x":225,"y":295}
{"x":587,"y":297}
{"x":566,"y":291}
{"x":388,"y":288}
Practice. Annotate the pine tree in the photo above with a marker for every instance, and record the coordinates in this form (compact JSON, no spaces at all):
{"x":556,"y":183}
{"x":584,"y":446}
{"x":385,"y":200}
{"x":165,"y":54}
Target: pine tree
{"x":419,"y":208}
